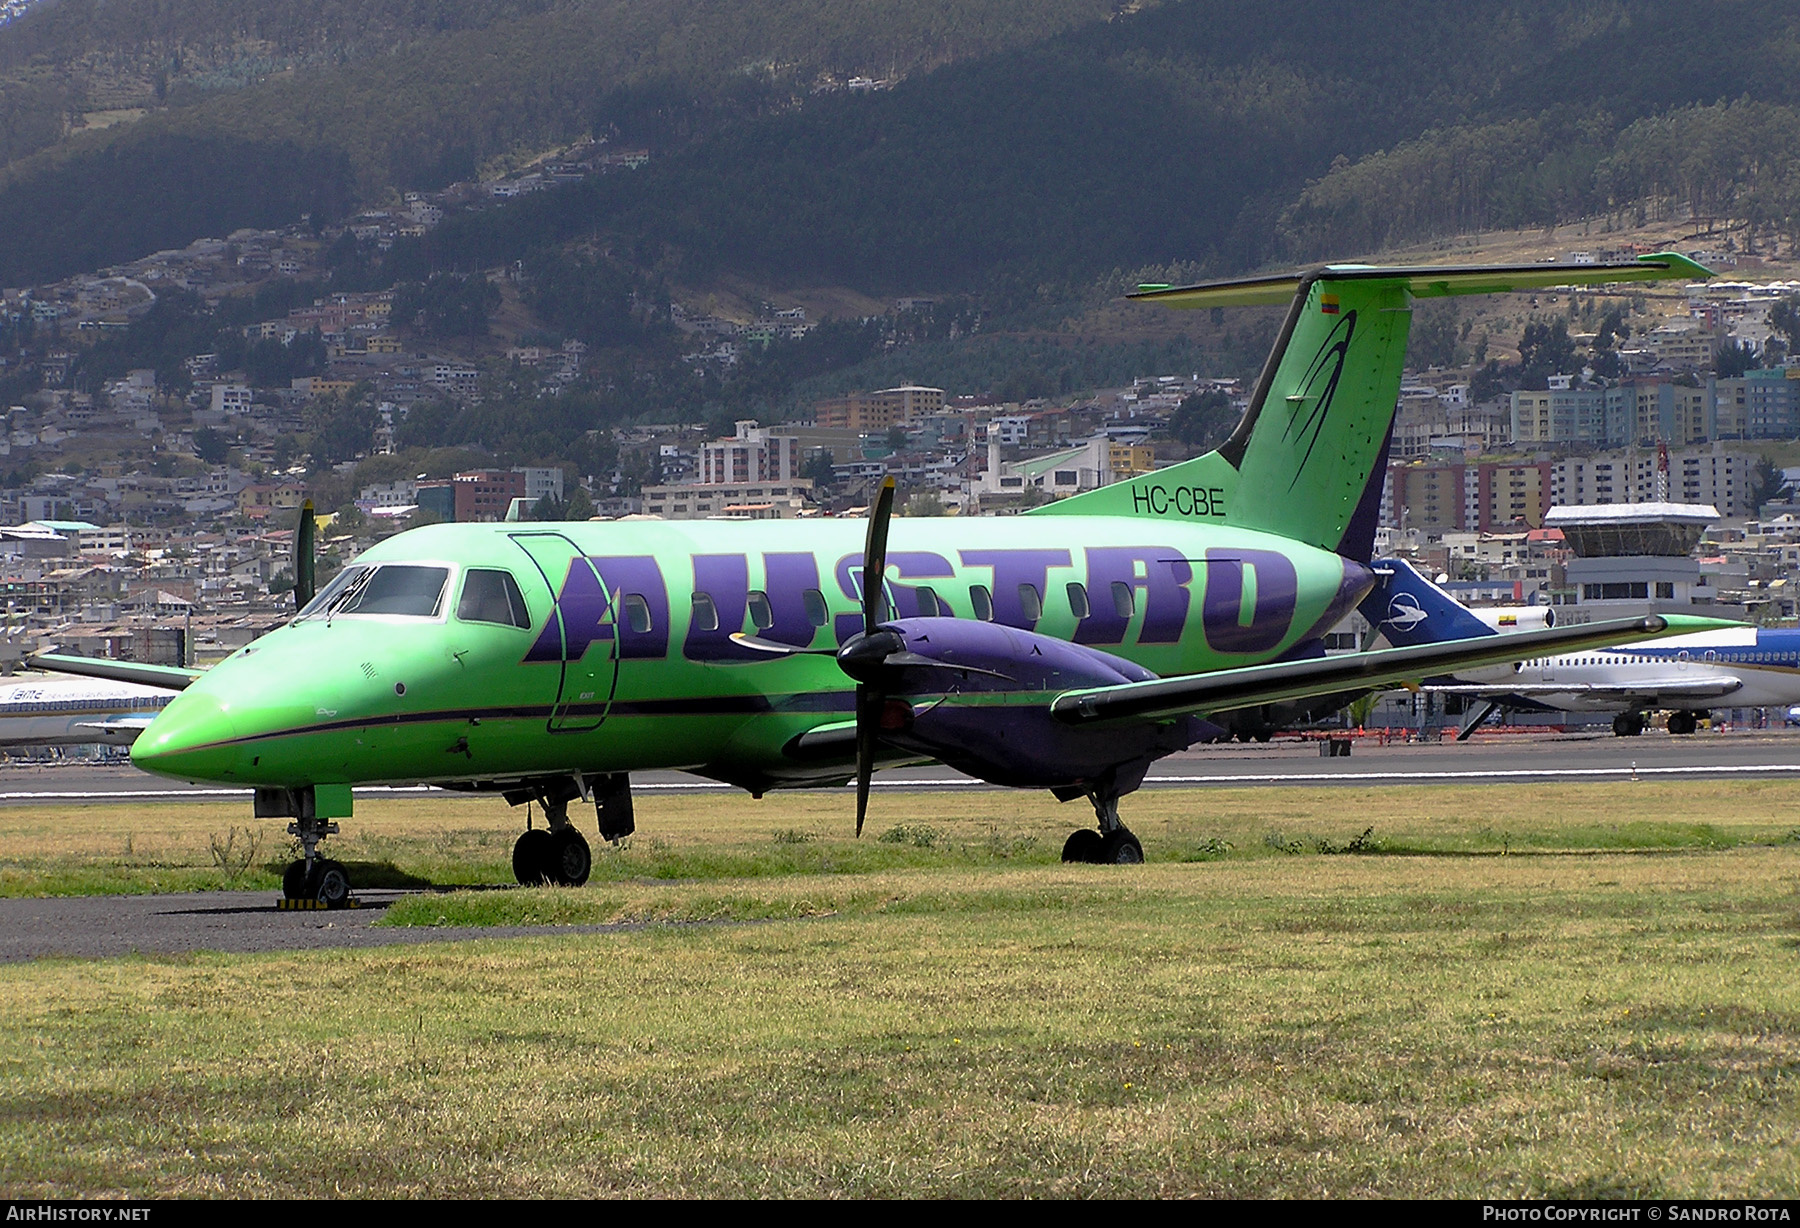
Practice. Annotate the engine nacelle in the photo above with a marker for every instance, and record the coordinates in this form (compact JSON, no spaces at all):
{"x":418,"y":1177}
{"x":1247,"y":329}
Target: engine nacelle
{"x":1017,"y":742}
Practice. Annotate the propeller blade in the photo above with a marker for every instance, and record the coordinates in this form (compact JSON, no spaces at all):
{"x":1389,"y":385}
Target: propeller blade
{"x":304,"y":538}
{"x":868,"y":709}
{"x":875,"y":557}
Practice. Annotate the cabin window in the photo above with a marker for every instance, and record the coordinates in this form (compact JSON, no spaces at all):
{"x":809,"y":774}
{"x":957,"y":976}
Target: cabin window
{"x":1124,"y":599}
{"x":929,"y":607}
{"x":761,"y":616}
{"x":637,"y":613}
{"x":983,"y":602}
{"x":1078,"y":602}
{"x":397,"y":588}
{"x":492,"y":596}
{"x":816,"y":612}
{"x":1031,"y":601}
{"x":706,"y":614}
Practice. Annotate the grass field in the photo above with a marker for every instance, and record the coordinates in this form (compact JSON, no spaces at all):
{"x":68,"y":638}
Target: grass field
{"x":1535,"y":990}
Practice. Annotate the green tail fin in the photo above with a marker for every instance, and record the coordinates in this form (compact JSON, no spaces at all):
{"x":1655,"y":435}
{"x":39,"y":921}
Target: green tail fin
{"x":1307,"y":460}
{"x":1299,"y":462}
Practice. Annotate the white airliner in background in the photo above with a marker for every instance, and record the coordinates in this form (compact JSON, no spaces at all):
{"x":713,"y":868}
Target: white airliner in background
{"x":39,"y":711}
{"x":1747,"y":667}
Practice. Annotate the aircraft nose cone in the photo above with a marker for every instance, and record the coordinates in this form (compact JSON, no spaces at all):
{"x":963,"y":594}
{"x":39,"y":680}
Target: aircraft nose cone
{"x":193,"y":739}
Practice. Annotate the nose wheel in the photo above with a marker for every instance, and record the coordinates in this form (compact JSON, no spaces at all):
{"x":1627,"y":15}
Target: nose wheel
{"x":320,"y":881}
{"x":315,"y":881}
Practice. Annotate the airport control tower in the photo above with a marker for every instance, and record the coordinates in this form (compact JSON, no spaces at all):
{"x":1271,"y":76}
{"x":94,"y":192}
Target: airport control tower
{"x":1635,"y":558}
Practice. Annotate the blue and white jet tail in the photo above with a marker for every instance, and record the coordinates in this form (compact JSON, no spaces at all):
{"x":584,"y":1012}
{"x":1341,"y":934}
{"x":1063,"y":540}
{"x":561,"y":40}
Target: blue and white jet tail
{"x":1410,"y":610}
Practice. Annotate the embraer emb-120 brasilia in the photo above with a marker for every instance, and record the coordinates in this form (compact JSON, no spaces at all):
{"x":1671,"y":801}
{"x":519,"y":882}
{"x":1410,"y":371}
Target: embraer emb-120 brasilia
{"x":1066,"y":649}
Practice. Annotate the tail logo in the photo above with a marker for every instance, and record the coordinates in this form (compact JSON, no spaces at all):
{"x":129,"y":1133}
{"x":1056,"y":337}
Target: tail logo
{"x":1323,"y":374}
{"x":1404,"y":613}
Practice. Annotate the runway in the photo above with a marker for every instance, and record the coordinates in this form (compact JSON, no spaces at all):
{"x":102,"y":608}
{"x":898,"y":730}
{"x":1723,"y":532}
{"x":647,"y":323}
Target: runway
{"x":102,"y":926}
{"x":1769,"y":754}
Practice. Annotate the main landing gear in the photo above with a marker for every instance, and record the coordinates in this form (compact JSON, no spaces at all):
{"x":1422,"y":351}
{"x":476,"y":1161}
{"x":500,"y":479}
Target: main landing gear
{"x":1683,"y":722}
{"x":559,"y":855}
{"x":1628,"y":724}
{"x":1112,"y":845}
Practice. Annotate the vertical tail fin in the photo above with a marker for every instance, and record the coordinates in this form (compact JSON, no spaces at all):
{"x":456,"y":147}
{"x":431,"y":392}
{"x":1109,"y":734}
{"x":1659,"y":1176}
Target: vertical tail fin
{"x":1307,"y":460}
{"x":1410,"y":610}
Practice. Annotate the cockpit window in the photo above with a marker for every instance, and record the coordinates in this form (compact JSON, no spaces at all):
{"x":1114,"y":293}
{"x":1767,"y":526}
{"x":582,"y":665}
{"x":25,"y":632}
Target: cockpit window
{"x":395,"y":588}
{"x":492,"y":596}
{"x":332,"y":592}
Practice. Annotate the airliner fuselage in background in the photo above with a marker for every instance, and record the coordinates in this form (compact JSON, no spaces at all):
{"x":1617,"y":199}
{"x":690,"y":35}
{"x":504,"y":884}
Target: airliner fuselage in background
{"x":1736,"y":667}
{"x":62,"y":711}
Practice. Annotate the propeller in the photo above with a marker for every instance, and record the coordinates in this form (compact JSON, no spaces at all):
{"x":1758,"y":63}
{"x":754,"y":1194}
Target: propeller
{"x":304,"y":537}
{"x":864,"y":654}
{"x":870,"y":656}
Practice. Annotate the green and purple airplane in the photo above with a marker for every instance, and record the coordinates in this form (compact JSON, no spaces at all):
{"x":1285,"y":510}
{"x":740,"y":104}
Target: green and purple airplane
{"x":1065,"y":649}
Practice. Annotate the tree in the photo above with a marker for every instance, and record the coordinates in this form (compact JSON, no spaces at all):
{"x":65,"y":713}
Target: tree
{"x":211,"y":445}
{"x":343,"y":427}
{"x":448,"y":305}
{"x":1204,"y":420}
{"x":819,"y":468}
{"x":1766,"y":482}
{"x":1545,"y":350}
{"x":1734,"y":358}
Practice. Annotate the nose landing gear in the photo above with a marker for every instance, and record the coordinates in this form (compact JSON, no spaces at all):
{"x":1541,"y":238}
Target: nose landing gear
{"x":313,"y":881}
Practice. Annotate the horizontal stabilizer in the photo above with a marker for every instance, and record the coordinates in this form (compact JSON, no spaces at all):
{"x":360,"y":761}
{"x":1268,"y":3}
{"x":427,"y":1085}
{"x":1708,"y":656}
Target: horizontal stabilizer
{"x":1426,"y":281}
{"x":119,"y":731}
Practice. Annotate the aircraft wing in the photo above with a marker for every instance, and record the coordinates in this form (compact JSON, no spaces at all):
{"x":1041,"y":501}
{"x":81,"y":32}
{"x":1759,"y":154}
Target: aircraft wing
{"x":1716,"y":688}
{"x":118,"y":730}
{"x":167,"y":677}
{"x":1224,"y":690}
{"x":1426,"y":281}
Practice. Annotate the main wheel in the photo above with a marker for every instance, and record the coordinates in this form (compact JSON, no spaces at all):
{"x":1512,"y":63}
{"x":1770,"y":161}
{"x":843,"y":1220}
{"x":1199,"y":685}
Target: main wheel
{"x":1263,"y":735}
{"x":1628,"y":725}
{"x":1083,"y":846}
{"x":331,"y":884}
{"x":531,"y":857}
{"x":570,"y":859}
{"x":293,"y":881}
{"x":1121,"y":848}
{"x":1681,"y":722}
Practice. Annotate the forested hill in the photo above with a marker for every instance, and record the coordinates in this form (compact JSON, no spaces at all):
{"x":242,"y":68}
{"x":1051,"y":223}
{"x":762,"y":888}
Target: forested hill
{"x":416,"y":95}
{"x":1053,"y":144}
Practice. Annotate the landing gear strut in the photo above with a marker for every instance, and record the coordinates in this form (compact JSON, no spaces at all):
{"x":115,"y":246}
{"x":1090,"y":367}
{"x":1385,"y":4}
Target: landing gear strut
{"x":314,"y":879}
{"x":1112,"y":845}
